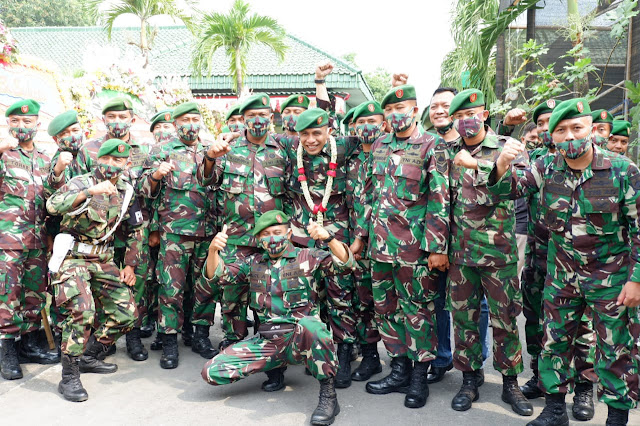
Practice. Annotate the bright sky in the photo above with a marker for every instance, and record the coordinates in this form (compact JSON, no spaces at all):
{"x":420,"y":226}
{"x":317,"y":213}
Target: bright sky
{"x":410,"y":36}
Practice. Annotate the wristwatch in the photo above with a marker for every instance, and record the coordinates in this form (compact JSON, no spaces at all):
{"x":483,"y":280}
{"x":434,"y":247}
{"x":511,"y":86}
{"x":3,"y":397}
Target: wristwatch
{"x":86,"y":192}
{"x":331,"y":237}
{"x":206,"y":155}
{"x":319,"y":81}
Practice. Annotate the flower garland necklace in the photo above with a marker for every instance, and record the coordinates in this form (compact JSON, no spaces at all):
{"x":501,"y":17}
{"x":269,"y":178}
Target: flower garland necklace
{"x":318,"y":209}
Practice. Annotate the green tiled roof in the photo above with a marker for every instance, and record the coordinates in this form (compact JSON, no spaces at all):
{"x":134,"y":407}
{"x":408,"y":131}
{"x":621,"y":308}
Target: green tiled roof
{"x":171,"y":53}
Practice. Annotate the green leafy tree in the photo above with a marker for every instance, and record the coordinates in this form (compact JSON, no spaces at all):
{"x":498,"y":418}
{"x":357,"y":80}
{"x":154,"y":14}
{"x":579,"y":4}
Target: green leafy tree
{"x":44,"y":13}
{"x":379,"y":82}
{"x":144,"y":10}
{"x":235,"y":32}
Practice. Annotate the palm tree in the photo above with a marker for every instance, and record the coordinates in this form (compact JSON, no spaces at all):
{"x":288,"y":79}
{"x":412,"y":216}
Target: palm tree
{"x":235,"y":32}
{"x":144,"y":10}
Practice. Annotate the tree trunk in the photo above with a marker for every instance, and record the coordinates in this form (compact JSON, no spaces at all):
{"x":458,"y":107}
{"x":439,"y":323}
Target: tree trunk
{"x":239,"y":72}
{"x":144,"y":47}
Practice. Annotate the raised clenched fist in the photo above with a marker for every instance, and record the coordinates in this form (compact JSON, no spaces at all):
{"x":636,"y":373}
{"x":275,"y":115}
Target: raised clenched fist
{"x":323,"y":70}
{"x":104,"y":187}
{"x":163,"y":169}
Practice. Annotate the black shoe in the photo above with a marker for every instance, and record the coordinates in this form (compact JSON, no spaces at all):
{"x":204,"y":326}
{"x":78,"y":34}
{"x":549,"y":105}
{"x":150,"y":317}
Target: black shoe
{"x":91,"y":362}
{"x":201,"y":343}
{"x":468,"y":392}
{"x":31,"y":351}
{"x":554,"y":412}
{"x":397,"y":381}
{"x":187,"y":333}
{"x":147,"y":329}
{"x":480,"y":377}
{"x":583,"y":408}
{"x":57,"y":340}
{"x":9,"y":365}
{"x":275,"y":381}
{"x":70,"y":386}
{"x":328,"y":407}
{"x":436,"y":374}
{"x":343,"y":376}
{"x":418,"y":388}
{"x":135,"y":348}
{"x":226,"y":343}
{"x":512,"y":395}
{"x":170,"y":354}
{"x":369,"y":365}
{"x":617,"y":417}
{"x":110,"y":351}
{"x":156,"y":345}
{"x":355,"y":351}
{"x":531,"y":390}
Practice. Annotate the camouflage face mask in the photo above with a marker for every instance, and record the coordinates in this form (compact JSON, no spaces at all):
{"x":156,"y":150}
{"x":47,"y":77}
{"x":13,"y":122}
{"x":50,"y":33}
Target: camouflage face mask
{"x":23,"y":134}
{"x":107,"y":172}
{"x":368,"y":133}
{"x":119,"y":129}
{"x":274,"y":244}
{"x":400,"y":122}
{"x":236,"y":127}
{"x":469,"y":127}
{"x":600,"y":141}
{"x":531,"y":145}
{"x":162,"y":136}
{"x":574,"y":149}
{"x":189,"y":132}
{"x":257,"y":126}
{"x":289,"y":122}
{"x":71,"y":143}
{"x":546,"y":139}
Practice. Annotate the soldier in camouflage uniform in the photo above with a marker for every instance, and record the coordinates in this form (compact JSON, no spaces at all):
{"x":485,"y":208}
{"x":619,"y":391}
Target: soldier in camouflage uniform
{"x":250,"y":175}
{"x":25,"y":184}
{"x":82,"y":265}
{"x":590,"y":200}
{"x":406,"y":231}
{"x":186,"y":216}
{"x":619,"y":138}
{"x":285,"y":283}
{"x":291,"y":108}
{"x":602,"y":127}
{"x":234,"y":119}
{"x":483,"y":259}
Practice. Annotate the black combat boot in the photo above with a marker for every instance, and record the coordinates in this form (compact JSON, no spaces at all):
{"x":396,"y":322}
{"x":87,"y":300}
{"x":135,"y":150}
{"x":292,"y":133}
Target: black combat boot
{"x":170,"y":354}
{"x":418,"y":388}
{"x":369,"y":365}
{"x":531,"y":390}
{"x":91,"y":362}
{"x":187,"y":332}
{"x":617,"y":417}
{"x":512,"y":395}
{"x":554,"y":412}
{"x":397,"y":381}
{"x":343,"y":376}
{"x":148,"y":327}
{"x":57,"y":340}
{"x":135,"y":348}
{"x":583,"y":408}
{"x":468,"y":392}
{"x":328,"y":407}
{"x":355,"y":351}
{"x":70,"y":386}
{"x":225,"y":343}
{"x":31,"y":351}
{"x":275,"y":381}
{"x":201,"y":343}
{"x":9,"y":365}
{"x":156,"y":345}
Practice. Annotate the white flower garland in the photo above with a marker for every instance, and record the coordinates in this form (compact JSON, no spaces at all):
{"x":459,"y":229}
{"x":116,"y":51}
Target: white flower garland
{"x":331,"y":173}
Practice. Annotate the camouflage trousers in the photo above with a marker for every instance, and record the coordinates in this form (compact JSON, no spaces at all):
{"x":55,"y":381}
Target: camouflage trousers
{"x":234,"y":300}
{"x":80,"y":280}
{"x":616,"y":330}
{"x":180,"y":262}
{"x":152,"y":284}
{"x":142,"y":271}
{"x":466,"y":287}
{"x":403,"y":298}
{"x":340,"y":309}
{"x":366,"y":328}
{"x":310,"y":343}
{"x":23,"y":286}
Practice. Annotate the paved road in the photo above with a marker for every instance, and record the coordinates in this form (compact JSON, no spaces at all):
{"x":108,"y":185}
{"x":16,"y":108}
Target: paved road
{"x":143,"y":393}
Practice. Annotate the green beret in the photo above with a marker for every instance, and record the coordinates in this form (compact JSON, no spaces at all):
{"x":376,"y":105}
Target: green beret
{"x":270,"y":218}
{"x":572,"y":108}
{"x":62,"y":121}
{"x":367,"y":109}
{"x":348,"y":117}
{"x":312,"y":118}
{"x":185,"y":108}
{"x":257,"y":101}
{"x":295,"y":101}
{"x":115,"y":148}
{"x":398,"y":94}
{"x":469,"y":98}
{"x":235,"y":110}
{"x":544,"y":108}
{"x":117,"y":104}
{"x":23,"y":107}
{"x":621,"y":128}
{"x":601,"y":116}
{"x":163,"y":116}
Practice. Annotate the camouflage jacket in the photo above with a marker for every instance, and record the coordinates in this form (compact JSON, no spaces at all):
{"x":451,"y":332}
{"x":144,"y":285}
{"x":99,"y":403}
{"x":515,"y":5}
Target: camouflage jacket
{"x":251,"y":182}
{"x":537,"y":229}
{"x":25,"y":185}
{"x":184,"y":206}
{"x":93,"y":219}
{"x":316,"y":166}
{"x":71,"y":171}
{"x":356,"y":177}
{"x":592,"y":218}
{"x":286,"y":289}
{"x":406,"y":199}
{"x":482,"y":224}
